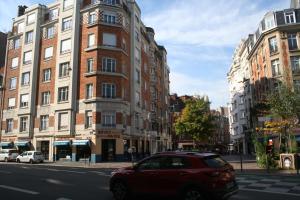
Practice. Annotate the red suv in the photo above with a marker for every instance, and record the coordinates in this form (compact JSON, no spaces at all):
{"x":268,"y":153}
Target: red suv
{"x":187,"y":175}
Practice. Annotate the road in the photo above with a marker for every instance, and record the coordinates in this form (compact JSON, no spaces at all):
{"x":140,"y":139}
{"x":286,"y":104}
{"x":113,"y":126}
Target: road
{"x":25,"y":181}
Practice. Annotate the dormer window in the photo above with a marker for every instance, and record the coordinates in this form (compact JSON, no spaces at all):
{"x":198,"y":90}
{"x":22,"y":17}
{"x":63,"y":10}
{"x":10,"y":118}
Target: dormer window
{"x":289,"y":17}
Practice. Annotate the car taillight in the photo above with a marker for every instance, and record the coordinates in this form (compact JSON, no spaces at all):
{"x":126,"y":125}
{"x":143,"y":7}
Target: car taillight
{"x":213,"y":174}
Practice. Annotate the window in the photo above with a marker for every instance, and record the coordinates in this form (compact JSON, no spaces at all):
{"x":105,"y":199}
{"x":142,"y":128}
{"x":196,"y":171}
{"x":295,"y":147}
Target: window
{"x":275,"y":67}
{"x":44,"y":122}
{"x":108,"y":119}
{"x":269,"y":22}
{"x":9,"y":125}
{"x":108,"y":90}
{"x":90,"y":63}
{"x":11,"y":103}
{"x":137,"y":35}
{"x":110,"y":2}
{"x":21,"y":28}
{"x":292,"y":40}
{"x":109,"y":65}
{"x":290,"y":17}
{"x":13,"y":83}
{"x":16,"y":43}
{"x":66,"y":24}
{"x":24,"y":99}
{"x":273,"y":45}
{"x":297,"y":85}
{"x":88,"y":119}
{"x":109,"y":18}
{"x":14,"y":62}
{"x":91,"y":40}
{"x":46,"y":75}
{"x":137,"y":75}
{"x":215,"y":162}
{"x":45,"y":98}
{"x":29,"y":37}
{"x":63,"y":94}
{"x":63,"y":121}
{"x":92,"y":17}
{"x":137,"y":98}
{"x":48,"y":53}
{"x":295,"y":62}
{"x":68,"y":4}
{"x":65,"y":46}
{"x":64,"y":69}
{"x":53,"y":14}
{"x":89,"y":91}
{"x":50,"y":32}
{"x":109,"y":39}
{"x":31,"y":18}
{"x":27,"y":57}
{"x":151,"y":164}
{"x":25,"y":78}
{"x":95,"y":1}
{"x":23,"y":124}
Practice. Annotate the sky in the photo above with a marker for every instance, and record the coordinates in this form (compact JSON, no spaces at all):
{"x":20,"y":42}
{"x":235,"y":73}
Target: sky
{"x":199,"y":35}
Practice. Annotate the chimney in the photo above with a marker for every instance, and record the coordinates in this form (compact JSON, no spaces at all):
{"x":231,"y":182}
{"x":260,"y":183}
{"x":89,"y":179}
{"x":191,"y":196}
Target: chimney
{"x":295,"y":4}
{"x":21,"y":10}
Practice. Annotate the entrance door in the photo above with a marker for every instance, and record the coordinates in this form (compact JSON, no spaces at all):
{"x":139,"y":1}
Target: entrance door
{"x":108,"y":150}
{"x":83,"y":152}
{"x":45,"y":149}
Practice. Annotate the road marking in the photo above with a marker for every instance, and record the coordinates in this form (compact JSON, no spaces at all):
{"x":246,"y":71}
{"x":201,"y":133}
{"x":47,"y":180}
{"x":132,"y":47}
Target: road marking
{"x":5,"y":172}
{"x":70,"y":171}
{"x":100,"y":173}
{"x":19,"y":189}
{"x":270,"y":192}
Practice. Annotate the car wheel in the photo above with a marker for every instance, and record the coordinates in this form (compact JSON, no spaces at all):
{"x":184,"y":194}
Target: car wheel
{"x":6,"y":159}
{"x":31,"y":161}
{"x":120,"y":191}
{"x":18,"y":160}
{"x":41,"y":161}
{"x":193,"y":194}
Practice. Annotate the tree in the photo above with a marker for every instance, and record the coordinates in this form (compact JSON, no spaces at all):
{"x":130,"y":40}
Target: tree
{"x":195,"y":120}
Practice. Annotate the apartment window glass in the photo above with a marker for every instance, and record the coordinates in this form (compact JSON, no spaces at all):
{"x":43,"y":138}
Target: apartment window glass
{"x":90,"y":63}
{"x":109,"y":39}
{"x":276,"y":67}
{"x":137,"y":75}
{"x":289,"y":17}
{"x":68,"y":4}
{"x":21,"y":28}
{"x":29,"y":37}
{"x":66,"y":24}
{"x":64,"y":69}
{"x":50,"y":32}
{"x":16,"y":43}
{"x":15,"y":62}
{"x":109,"y":65}
{"x":92,"y":17}
{"x":110,"y":2}
{"x":108,"y":90}
{"x":89,"y":91}
{"x":44,"y":122}
{"x":137,"y":98}
{"x":53,"y":14}
{"x":11,"y":103}
{"x":88,"y":119}
{"x":25,"y":78}
{"x":10,"y":125}
{"x":46,"y":98}
{"x":65,"y":46}
{"x":46,"y":75}
{"x":91,"y":40}
{"x":23,"y":124}
{"x":63,"y":121}
{"x":108,"y":119}
{"x":297,"y":85}
{"x":27,"y":57}
{"x":48,"y":52}
{"x":13,"y":83}
{"x":273,"y":45}
{"x":63,"y":93}
{"x":109,"y":18}
{"x":24,"y":99}
{"x":295,"y":62}
{"x":31,"y":18}
{"x":292,"y":40}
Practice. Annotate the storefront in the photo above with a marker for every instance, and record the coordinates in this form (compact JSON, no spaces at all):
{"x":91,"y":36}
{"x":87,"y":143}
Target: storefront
{"x":63,"y":150}
{"x":6,"y":145}
{"x":108,"y":150}
{"x":45,"y":149}
{"x":83,"y":150}
{"x":23,"y":146}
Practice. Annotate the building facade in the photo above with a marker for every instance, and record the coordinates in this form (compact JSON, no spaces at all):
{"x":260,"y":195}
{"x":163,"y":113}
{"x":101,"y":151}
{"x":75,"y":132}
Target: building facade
{"x":85,"y":80}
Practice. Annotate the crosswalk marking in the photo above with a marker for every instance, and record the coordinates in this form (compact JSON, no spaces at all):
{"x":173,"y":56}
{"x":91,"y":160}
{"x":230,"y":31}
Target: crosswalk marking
{"x":19,"y":189}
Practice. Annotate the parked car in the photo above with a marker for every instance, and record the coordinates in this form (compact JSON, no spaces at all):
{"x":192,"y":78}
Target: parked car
{"x":31,"y":157}
{"x":187,"y":175}
{"x":8,"y":155}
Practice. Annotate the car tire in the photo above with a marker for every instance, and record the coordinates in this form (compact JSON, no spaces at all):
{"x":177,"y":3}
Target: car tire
{"x":5,"y":159}
{"x":18,"y":160}
{"x":120,"y":191}
{"x":41,"y":161}
{"x":31,"y":161}
{"x":193,"y":193}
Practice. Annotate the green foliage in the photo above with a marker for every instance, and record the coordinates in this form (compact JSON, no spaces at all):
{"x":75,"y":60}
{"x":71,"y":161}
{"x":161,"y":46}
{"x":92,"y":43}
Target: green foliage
{"x":195,"y":120}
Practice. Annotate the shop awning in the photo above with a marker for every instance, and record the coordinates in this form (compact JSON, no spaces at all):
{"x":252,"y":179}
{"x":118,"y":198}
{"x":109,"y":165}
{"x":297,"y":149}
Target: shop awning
{"x":21,"y":143}
{"x":61,"y":143}
{"x":6,"y":144}
{"x":81,"y":143}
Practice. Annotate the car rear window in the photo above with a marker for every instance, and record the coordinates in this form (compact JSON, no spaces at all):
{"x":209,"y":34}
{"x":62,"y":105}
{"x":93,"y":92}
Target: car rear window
{"x":215,"y":162}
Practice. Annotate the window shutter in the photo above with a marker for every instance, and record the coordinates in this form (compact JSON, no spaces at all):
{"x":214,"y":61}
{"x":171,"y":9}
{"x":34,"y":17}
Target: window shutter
{"x":11,"y":102}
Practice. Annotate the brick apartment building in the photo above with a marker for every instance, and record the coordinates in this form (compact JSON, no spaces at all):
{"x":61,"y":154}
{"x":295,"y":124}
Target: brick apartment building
{"x":85,"y":79}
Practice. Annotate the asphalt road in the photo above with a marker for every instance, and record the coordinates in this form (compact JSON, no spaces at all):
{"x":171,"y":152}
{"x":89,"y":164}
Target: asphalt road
{"x":26,"y":182}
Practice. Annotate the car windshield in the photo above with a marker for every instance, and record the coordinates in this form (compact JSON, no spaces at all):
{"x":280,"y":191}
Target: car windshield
{"x":215,"y":161}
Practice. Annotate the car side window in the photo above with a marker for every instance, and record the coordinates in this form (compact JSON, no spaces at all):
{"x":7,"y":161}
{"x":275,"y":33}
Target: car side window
{"x":24,"y":154}
{"x":175,"y":163}
{"x":150,"y":164}
{"x":30,"y":153}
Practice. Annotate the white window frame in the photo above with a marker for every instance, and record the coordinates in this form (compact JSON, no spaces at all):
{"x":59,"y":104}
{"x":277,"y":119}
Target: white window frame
{"x":109,"y":39}
{"x":295,"y":63}
{"x":11,"y":103}
{"x":24,"y":79}
{"x":66,"y":24}
{"x":9,"y":125}
{"x":88,"y":119}
{"x":50,"y":32}
{"x":13,"y":83}
{"x":29,"y":37}
{"x":109,"y":90}
{"x":109,"y":18}
{"x":108,"y":119}
{"x":31,"y":18}
{"x":64,"y":69}
{"x":91,"y":40}
{"x":23,"y":124}
{"x":92,"y":18}
{"x":45,"y":98}
{"x":44,"y":122}
{"x":24,"y":103}
{"x":67,"y":4}
{"x":293,"y":40}
{"x":109,"y":64}
{"x":89,"y":91}
{"x":62,"y":126}
{"x":16,"y":43}
{"x":53,"y":14}
{"x":90,"y":65}
{"x":63,"y":94}
{"x":289,"y":17}
{"x":14,"y":62}
{"x":21,"y":27}
{"x":47,"y":75}
{"x":275,"y":65}
{"x":65,"y":46}
{"x":27,"y":57}
{"x":48,"y":53}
